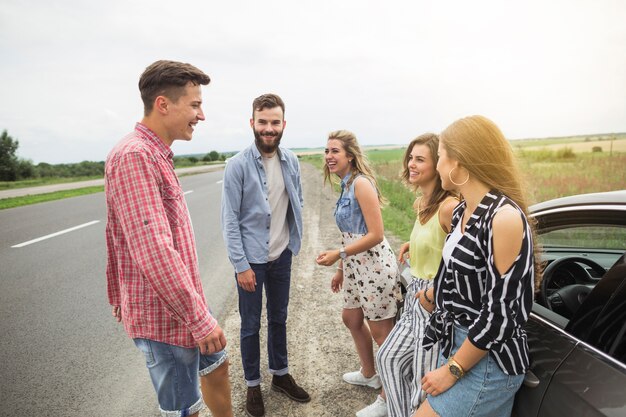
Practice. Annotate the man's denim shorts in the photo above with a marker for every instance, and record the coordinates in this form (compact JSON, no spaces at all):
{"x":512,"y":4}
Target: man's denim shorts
{"x":174,"y":371}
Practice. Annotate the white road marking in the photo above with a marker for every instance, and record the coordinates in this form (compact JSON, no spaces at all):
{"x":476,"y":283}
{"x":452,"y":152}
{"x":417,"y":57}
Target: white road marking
{"x":187,"y":192}
{"x":71,"y":229}
{"x":220,"y":181}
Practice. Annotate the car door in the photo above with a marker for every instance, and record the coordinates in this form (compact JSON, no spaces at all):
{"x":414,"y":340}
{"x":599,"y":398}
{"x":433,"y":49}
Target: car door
{"x":549,"y":346}
{"x":579,"y":369}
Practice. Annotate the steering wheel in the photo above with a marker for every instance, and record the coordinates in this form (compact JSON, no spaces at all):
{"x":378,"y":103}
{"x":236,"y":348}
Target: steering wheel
{"x":570,"y":297}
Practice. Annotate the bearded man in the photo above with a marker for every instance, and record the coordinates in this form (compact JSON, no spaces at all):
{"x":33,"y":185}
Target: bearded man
{"x":262,"y":227}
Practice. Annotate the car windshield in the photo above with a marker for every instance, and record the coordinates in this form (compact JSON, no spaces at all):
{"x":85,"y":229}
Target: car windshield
{"x":588,"y":237}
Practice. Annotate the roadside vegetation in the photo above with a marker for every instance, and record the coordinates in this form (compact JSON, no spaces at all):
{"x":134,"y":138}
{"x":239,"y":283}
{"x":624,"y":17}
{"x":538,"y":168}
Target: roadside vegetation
{"x":6,"y":203}
{"x":17,"y":172}
{"x":549,"y":173}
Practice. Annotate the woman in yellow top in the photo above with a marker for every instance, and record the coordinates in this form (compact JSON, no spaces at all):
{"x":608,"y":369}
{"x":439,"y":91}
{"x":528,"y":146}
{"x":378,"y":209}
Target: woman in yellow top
{"x":401,"y":361}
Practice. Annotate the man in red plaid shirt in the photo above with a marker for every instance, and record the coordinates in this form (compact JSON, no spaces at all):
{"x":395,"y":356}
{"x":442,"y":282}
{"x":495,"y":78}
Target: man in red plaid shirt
{"x":153,"y":280}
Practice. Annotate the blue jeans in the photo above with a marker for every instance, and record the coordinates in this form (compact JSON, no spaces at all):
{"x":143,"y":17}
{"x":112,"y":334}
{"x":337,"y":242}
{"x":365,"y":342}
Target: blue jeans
{"x":484,"y":391}
{"x":174,"y":371}
{"x":275,"y":276}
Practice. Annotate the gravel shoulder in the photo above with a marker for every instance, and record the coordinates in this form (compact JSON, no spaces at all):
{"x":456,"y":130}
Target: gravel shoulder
{"x":320,"y":346}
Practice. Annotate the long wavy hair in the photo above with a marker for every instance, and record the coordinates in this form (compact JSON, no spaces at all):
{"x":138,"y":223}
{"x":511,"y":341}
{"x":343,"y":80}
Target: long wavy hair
{"x":359,"y":164}
{"x":481,"y":148}
{"x":431,"y":141}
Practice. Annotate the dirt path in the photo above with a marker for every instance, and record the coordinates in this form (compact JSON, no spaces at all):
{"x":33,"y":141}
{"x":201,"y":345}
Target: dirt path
{"x":320,"y":347}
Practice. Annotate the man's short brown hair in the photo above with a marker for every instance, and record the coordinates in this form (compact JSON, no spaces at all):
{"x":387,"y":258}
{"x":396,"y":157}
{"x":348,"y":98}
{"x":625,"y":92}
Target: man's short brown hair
{"x":267,"y":101}
{"x":168,"y":78}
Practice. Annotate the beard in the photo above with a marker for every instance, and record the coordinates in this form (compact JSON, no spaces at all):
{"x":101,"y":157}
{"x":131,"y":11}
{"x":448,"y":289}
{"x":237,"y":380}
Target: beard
{"x":267,"y":147}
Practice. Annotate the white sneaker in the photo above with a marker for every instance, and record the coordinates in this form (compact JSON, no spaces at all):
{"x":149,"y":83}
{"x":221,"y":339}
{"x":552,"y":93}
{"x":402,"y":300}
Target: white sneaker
{"x":376,"y":409}
{"x":357,"y":378}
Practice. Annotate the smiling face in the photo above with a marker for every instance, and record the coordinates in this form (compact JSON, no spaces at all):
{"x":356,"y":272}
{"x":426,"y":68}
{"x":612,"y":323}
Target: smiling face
{"x":421,"y":166}
{"x":184,"y":114}
{"x":336,"y":158}
{"x":268,"y":125}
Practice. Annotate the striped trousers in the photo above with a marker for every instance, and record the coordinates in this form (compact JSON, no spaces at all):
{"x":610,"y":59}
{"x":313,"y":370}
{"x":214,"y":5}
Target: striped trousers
{"x":401,"y":361}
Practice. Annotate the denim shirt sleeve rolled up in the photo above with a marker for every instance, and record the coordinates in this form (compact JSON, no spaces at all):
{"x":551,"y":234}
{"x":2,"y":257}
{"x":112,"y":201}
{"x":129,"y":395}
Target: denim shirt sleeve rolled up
{"x":246,"y":213}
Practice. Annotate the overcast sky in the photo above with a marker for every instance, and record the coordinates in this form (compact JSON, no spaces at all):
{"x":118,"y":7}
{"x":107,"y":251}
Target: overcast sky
{"x":388,"y":71}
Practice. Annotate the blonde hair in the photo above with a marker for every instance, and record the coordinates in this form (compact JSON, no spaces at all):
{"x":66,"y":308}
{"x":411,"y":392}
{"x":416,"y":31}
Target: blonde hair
{"x":481,"y":148}
{"x":359,"y":164}
{"x":431,"y":141}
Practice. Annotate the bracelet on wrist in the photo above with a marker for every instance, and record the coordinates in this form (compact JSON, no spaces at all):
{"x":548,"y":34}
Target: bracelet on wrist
{"x":428,"y":300}
{"x":339,"y":268}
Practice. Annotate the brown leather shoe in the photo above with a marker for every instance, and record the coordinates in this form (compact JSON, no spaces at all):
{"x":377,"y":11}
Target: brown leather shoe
{"x":288,"y":386}
{"x":254,"y":402}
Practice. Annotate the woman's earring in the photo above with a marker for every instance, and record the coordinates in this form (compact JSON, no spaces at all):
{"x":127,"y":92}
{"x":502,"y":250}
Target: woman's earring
{"x":458,"y":184}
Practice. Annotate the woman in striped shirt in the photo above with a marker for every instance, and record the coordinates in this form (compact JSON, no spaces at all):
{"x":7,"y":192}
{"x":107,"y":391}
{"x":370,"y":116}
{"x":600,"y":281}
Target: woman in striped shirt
{"x":484,"y":286}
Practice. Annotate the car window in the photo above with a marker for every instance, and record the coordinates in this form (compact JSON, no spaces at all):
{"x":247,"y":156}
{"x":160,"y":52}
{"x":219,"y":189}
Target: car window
{"x":588,"y":237}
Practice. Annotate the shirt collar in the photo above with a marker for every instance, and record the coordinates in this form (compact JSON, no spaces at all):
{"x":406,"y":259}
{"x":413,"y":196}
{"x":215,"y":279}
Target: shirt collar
{"x":257,"y":154}
{"x":152,"y":138}
{"x":345,"y":179}
{"x":485,"y":203}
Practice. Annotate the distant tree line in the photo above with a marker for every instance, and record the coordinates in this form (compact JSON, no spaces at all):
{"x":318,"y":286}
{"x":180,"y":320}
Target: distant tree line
{"x":13,"y":168}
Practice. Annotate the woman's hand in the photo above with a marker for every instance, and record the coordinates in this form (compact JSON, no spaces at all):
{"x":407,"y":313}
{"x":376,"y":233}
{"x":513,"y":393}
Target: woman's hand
{"x":404,"y":249}
{"x":327,"y":258}
{"x":337,"y":282}
{"x":437,"y":381}
{"x":422,"y":300}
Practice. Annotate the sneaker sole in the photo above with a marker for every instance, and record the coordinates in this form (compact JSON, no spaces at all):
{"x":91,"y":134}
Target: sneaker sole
{"x":375,"y":386}
{"x":300,"y":400}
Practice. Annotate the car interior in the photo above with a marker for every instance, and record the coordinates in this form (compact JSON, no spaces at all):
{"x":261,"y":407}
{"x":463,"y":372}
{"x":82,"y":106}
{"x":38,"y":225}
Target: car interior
{"x":601,"y":318}
{"x":595,"y":312}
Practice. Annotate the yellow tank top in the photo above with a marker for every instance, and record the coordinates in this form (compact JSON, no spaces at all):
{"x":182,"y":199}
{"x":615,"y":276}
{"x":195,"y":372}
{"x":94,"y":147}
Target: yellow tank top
{"x":426,"y":245}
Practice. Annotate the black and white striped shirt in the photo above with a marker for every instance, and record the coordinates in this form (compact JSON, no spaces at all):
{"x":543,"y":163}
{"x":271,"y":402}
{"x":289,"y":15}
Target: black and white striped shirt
{"x":470,"y":291}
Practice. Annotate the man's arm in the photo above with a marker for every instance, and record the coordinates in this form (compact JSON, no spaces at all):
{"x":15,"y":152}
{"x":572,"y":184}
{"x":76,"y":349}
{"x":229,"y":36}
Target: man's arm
{"x":232,"y":194}
{"x":113,"y":283}
{"x":299,"y":182}
{"x":136,"y":196}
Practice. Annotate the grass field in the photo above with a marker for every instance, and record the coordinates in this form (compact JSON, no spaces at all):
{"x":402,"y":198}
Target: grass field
{"x":36,"y":182}
{"x":6,"y":203}
{"x":550,"y":171}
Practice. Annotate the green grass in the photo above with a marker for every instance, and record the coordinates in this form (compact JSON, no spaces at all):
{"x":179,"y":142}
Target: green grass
{"x":36,"y":182}
{"x":549,"y":174}
{"x":6,"y":203}
{"x":523,"y":143}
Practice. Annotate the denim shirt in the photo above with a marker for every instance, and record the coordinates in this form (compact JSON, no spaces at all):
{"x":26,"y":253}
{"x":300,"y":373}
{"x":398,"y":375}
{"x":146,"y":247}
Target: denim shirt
{"x":246,"y":213}
{"x":348,"y":213}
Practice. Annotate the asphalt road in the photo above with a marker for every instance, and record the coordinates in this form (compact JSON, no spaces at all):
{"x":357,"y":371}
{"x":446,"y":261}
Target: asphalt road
{"x":61,"y":352}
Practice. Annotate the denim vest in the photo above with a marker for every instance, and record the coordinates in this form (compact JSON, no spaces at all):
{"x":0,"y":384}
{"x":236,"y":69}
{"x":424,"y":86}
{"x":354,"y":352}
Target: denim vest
{"x":348,"y":213}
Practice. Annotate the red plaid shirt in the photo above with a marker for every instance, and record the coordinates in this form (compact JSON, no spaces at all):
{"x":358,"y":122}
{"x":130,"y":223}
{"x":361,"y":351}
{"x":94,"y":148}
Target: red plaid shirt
{"x":152,"y":266}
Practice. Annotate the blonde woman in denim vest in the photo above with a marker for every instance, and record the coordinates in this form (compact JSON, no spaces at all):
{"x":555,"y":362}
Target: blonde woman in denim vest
{"x":367,"y":269}
{"x":401,"y":361}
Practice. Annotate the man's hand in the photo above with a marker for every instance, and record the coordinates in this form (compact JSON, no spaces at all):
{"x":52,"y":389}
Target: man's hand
{"x":117,"y":313}
{"x":214,"y":342}
{"x":247,"y":280}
